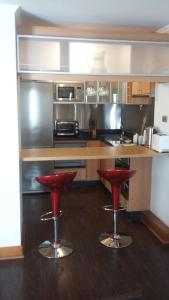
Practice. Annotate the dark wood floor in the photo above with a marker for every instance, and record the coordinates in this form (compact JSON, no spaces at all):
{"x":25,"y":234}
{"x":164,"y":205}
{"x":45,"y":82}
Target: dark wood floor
{"x":92,"y":271}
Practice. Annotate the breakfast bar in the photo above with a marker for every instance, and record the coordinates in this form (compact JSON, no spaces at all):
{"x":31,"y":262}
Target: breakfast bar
{"x":140,"y":160}
{"x":47,"y":154}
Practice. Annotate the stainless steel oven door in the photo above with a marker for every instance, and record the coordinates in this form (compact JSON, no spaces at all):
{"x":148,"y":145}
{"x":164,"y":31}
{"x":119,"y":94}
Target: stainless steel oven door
{"x":69,"y":163}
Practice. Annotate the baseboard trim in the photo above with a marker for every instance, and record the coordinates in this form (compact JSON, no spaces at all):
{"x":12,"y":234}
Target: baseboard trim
{"x":13,"y":252}
{"x":156,"y":226}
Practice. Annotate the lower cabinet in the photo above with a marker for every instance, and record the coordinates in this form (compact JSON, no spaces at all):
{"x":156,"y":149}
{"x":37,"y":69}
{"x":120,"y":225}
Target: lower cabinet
{"x":139,"y":185}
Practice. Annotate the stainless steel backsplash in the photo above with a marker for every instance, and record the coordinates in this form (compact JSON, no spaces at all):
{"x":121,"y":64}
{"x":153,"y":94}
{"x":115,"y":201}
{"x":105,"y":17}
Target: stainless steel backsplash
{"x":104,"y":116}
{"x":135,"y":118}
{"x":107,"y":116}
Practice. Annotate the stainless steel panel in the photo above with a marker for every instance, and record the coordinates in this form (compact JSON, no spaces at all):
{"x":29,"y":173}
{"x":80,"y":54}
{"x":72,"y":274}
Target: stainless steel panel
{"x":36,"y":100}
{"x":36,"y":114}
{"x":136,"y":117}
{"x":64,"y":112}
{"x":112,"y":116}
{"x":32,"y":169}
{"x":103,"y":115}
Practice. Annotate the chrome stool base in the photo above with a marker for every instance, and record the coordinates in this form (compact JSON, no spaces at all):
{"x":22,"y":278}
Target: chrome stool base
{"x":122,"y":240}
{"x":62,"y":249}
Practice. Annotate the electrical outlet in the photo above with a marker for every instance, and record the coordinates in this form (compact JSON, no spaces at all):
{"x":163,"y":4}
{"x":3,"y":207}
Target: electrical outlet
{"x":164,"y":119}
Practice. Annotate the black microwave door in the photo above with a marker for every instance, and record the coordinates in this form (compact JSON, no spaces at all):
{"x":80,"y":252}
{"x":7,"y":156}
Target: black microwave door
{"x":66,"y":92}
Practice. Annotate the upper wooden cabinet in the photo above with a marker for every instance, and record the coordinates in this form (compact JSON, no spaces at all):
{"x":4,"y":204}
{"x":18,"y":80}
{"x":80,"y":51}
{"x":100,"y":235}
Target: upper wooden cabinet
{"x":140,"y":92}
{"x":46,"y":54}
{"x":141,"y":88}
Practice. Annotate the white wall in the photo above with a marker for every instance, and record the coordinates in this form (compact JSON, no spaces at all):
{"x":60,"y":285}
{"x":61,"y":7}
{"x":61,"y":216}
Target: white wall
{"x":160,"y":170}
{"x":10,"y":216}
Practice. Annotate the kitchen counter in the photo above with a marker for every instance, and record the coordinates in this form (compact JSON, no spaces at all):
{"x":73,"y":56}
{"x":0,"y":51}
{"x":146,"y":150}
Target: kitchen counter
{"x":85,"y":135}
{"x":86,"y":153}
{"x":110,"y":137}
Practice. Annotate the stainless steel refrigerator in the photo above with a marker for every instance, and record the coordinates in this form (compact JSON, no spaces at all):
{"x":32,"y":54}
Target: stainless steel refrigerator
{"x":36,"y":101}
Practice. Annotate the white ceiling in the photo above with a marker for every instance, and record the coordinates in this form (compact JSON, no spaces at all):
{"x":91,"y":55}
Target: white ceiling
{"x":149,"y":13}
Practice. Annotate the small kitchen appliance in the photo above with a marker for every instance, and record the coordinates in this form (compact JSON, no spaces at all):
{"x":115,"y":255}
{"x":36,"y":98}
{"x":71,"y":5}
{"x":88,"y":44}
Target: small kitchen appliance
{"x":160,"y":142}
{"x":148,"y":132}
{"x":66,"y":128}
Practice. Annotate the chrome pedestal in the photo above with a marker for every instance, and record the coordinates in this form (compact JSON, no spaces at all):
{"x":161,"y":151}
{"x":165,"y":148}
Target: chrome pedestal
{"x":55,"y":250}
{"x":115,"y":241}
{"x":59,"y":248}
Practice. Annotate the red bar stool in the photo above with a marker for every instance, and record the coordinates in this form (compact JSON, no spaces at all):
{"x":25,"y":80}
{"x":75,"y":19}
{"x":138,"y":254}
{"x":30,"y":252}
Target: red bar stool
{"x":116,"y":178}
{"x":59,"y":247}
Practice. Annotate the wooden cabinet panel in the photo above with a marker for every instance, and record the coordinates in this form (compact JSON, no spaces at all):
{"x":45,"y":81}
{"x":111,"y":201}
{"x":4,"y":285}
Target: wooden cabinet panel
{"x":92,"y":165}
{"x":140,"y":184}
{"x":141,"y":88}
{"x":106,"y":164}
{"x":140,"y":92}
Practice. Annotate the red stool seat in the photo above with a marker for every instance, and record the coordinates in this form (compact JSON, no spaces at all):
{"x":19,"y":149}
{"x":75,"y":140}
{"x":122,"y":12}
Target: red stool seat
{"x":116,"y":178}
{"x":57,"y":181}
{"x":59,"y":248}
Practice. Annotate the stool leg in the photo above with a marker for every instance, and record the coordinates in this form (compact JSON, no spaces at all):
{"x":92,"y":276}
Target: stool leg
{"x":115,"y":239}
{"x":56,"y":229}
{"x":115,"y":222}
{"x":59,"y":248}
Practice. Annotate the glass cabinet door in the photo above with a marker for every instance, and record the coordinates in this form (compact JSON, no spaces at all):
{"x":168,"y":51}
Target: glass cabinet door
{"x":118,"y":92}
{"x":115,"y":91}
{"x":104,"y":91}
{"x":91,"y":91}
{"x":42,"y":54}
{"x":91,"y":56}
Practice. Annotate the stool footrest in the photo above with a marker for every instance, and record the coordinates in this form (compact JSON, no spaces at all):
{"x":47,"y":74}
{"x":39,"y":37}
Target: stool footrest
{"x":49,"y":216}
{"x":110,"y":208}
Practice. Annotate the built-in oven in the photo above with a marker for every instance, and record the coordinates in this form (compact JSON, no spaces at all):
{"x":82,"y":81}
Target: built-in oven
{"x":69,"y":163}
{"x":123,"y":164}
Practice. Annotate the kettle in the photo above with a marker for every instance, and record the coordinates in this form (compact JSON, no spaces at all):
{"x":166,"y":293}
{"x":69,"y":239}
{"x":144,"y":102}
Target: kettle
{"x":147,"y":136}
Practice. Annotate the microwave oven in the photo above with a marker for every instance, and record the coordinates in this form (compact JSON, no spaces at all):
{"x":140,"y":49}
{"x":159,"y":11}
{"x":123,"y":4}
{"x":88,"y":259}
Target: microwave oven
{"x":70,"y":91}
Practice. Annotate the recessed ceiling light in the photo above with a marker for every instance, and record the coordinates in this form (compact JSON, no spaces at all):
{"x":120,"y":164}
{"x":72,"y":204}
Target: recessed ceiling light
{"x":164,"y":29}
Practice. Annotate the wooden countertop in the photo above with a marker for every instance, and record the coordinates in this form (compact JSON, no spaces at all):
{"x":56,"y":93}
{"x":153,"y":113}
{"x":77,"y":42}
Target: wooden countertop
{"x":47,"y":154}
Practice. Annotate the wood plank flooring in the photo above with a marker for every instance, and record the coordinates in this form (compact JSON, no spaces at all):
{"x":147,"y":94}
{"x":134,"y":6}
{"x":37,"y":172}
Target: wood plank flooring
{"x":92,"y":271}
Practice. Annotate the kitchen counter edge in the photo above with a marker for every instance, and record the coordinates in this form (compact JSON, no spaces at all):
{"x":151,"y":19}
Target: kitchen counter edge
{"x":87,"y":153}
